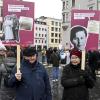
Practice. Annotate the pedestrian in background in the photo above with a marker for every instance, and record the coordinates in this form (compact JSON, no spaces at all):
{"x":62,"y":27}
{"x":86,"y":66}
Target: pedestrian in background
{"x":55,"y":59}
{"x":43,"y":55}
{"x":75,"y":81}
{"x":63,"y":56}
{"x":8,"y":63}
{"x":48,"y":55}
{"x":32,"y":81}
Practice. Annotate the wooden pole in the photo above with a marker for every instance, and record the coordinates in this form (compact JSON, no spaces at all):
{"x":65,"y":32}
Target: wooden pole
{"x":18,"y":58}
{"x":83,"y":60}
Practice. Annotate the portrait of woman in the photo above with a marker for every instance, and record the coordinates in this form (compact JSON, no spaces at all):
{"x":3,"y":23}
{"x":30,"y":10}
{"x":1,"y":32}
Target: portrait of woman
{"x":7,"y":28}
{"x":10,"y":28}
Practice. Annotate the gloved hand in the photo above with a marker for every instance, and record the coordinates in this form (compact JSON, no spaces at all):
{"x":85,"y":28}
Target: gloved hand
{"x":83,"y":73}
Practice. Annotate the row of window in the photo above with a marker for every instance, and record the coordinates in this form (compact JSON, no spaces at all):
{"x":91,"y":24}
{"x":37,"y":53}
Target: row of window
{"x":65,"y":4}
{"x":55,"y":40}
{"x":65,"y":17}
{"x":55,"y":23}
{"x":56,"y":29}
{"x":41,"y":35}
{"x":55,"y":35}
{"x":40,"y":41}
{"x":41,"y":29}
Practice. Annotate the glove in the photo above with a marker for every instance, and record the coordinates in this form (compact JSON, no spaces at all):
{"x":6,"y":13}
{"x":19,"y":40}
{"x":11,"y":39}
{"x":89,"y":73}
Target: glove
{"x":81,"y":80}
{"x":83,"y":73}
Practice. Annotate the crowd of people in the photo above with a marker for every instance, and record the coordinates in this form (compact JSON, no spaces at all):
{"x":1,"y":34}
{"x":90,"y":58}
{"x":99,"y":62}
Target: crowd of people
{"x":32,"y":81}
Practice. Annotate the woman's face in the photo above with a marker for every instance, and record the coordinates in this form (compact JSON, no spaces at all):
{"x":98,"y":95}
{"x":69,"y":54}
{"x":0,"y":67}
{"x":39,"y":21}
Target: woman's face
{"x":31,"y":59}
{"x":75,"y":60}
{"x":80,"y":40}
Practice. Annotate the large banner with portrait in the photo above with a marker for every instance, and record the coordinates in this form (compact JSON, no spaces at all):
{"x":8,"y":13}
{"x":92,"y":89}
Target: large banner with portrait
{"x":85,"y":27}
{"x":18,"y":22}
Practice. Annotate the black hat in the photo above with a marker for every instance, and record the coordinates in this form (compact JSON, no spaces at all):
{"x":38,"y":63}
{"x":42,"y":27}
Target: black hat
{"x":29,"y":51}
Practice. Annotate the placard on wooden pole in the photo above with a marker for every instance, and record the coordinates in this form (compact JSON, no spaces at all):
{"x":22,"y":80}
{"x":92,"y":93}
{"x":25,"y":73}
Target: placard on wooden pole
{"x":18,"y":58}
{"x":83,"y":60}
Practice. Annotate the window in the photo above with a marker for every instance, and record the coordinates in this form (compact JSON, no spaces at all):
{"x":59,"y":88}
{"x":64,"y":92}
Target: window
{"x":56,"y":34}
{"x":35,"y":41}
{"x":45,"y":35}
{"x":52,"y":22}
{"x":59,"y":29}
{"x":67,"y":3}
{"x":1,"y":11}
{"x":52,"y":28}
{"x":67,"y":16}
{"x":52,"y":40}
{"x":56,"y":29}
{"x":55,"y":40}
{"x":39,"y":35}
{"x":59,"y":35}
{"x":59,"y":24}
{"x":56,"y":23}
{"x":52,"y":34}
{"x":91,"y":8}
{"x":0,"y":26}
{"x":63,"y":17}
{"x":45,"y":29}
{"x":73,"y":3}
{"x":39,"y":29}
{"x":36,"y":28}
{"x":64,"y":5}
{"x":42,"y":29}
{"x":59,"y":40}
{"x":42,"y":35}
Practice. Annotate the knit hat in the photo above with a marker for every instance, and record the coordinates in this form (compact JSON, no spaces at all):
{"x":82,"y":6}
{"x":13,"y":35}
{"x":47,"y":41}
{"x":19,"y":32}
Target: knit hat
{"x":76,"y":53}
{"x":29,"y":51}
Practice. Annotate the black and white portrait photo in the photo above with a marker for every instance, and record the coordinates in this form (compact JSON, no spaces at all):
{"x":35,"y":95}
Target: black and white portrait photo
{"x":10,"y":28}
{"x":78,"y":37}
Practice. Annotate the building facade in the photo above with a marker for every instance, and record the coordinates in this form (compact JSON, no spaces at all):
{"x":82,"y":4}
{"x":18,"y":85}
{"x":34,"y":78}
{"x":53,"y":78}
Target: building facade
{"x":54,"y":31}
{"x":40,"y":34}
{"x":67,"y":6}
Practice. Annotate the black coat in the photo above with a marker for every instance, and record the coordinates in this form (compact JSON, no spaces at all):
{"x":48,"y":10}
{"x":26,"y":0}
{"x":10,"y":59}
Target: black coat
{"x":76,"y":83}
{"x":55,"y":58}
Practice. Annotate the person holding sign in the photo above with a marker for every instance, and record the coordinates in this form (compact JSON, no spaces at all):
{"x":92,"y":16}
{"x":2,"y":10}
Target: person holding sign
{"x":31,"y":80}
{"x":76,"y":81}
{"x":78,"y":37}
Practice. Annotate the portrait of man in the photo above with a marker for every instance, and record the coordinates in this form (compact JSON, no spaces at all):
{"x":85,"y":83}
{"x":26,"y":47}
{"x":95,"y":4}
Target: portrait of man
{"x":78,"y":37}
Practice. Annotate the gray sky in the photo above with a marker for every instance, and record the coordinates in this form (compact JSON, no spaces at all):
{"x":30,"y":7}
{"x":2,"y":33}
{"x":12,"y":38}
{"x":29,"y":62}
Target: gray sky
{"x":48,"y":8}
